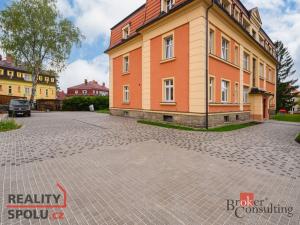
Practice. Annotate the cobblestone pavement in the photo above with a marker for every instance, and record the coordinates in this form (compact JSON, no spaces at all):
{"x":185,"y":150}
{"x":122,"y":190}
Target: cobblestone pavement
{"x":117,"y":171}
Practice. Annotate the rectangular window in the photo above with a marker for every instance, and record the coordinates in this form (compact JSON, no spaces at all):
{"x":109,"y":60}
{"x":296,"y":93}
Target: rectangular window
{"x":46,"y":92}
{"x":76,"y":92}
{"x":9,"y":90}
{"x":245,"y":94}
{"x":167,"y":5}
{"x":225,"y":91}
{"x":211,"y":41}
{"x":27,"y":77}
{"x":27,"y":91}
{"x":125,"y":64}
{"x":237,"y":15}
{"x":10,"y":73}
{"x":0,"y":87}
{"x":168,"y":47}
{"x":19,"y":75}
{"x":227,"y":6}
{"x":126,"y":94}
{"x":126,"y":32}
{"x":169,"y":90}
{"x":84,"y":92}
{"x":254,"y":34}
{"x":52,"y":80}
{"x":47,"y":79}
{"x":211,"y":89}
{"x":40,"y":78}
{"x":261,"y":70}
{"x":19,"y":89}
{"x":246,"y":24}
{"x":246,"y":60}
{"x":236,"y":55}
{"x":225,"y":49}
{"x":236,"y":93}
{"x":1,"y":71}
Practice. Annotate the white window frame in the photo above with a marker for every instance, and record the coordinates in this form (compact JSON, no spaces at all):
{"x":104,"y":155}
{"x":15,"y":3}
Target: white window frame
{"x":126,"y":93}
{"x":168,"y":48}
{"x":76,"y":92}
{"x":84,"y":92}
{"x":27,"y":91}
{"x":10,"y":90}
{"x":126,"y":31}
{"x":245,"y":94}
{"x":126,"y":63}
{"x":246,"y":61}
{"x":168,"y":90}
{"x":211,"y":84}
{"x":211,"y":41}
{"x":225,"y":49}
{"x":27,"y":77}
{"x":225,"y":91}
{"x":261,"y":70}
{"x":167,"y":5}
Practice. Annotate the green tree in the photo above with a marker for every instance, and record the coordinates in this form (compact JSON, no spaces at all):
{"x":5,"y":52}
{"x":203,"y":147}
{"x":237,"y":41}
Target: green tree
{"x":36,"y":34}
{"x":286,"y":83}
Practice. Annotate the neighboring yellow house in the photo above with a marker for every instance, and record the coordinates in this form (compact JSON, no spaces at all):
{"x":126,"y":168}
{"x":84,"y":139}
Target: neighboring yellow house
{"x":15,"y":81}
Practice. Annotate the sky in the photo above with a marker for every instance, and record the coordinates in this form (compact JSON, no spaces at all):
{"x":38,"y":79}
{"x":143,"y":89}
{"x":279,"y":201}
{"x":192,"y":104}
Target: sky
{"x":281,"y":21}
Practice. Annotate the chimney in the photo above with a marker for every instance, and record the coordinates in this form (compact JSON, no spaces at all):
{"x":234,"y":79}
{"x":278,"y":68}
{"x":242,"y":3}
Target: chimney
{"x":85,"y":81}
{"x":9,"y":58}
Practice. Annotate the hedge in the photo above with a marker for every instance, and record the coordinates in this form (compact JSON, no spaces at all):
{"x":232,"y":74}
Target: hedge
{"x":82,"y":103}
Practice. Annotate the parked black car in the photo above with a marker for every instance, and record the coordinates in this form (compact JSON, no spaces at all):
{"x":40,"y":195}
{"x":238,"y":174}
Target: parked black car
{"x":19,"y":107}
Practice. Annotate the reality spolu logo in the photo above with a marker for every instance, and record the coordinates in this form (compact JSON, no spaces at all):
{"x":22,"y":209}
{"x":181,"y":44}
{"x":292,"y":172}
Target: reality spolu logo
{"x":37,"y":206}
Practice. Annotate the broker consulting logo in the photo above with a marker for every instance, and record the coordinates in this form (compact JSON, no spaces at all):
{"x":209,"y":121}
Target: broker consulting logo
{"x":37,"y":206}
{"x":248,"y":205}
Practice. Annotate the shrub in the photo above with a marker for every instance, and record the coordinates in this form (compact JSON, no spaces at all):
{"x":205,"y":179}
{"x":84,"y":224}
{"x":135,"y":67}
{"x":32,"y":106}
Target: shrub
{"x":298,"y":138}
{"x":82,"y":103}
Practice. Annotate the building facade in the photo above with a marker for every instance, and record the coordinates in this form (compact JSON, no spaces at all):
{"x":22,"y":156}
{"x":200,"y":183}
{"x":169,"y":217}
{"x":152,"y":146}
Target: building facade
{"x":88,"y":88}
{"x":15,"y":81}
{"x":194,"y":62}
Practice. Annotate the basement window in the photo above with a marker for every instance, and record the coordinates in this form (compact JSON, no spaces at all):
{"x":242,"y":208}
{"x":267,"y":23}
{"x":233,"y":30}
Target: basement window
{"x":126,"y":113}
{"x":237,"y":117}
{"x":168,"y":118}
{"x":226,"y":119}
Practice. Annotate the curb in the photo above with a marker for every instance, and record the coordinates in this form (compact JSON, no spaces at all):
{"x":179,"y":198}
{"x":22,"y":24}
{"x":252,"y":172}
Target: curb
{"x":3,"y":116}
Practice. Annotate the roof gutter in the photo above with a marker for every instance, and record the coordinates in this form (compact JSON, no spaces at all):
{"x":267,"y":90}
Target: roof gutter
{"x":206,"y":77}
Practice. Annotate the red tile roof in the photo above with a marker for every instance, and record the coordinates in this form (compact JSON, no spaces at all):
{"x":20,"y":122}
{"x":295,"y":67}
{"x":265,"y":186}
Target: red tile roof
{"x":91,"y":85}
{"x":61,"y":95}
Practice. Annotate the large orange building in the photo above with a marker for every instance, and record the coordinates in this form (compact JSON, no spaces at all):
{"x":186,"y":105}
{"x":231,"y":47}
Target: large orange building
{"x":194,"y":62}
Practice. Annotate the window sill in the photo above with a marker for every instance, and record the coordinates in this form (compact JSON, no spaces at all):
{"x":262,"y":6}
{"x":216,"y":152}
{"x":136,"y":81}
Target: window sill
{"x":270,"y":82}
{"x":167,"y":60}
{"x":126,"y":103}
{"x":168,"y":103}
{"x":224,"y":104}
{"x":261,"y":78}
{"x":246,"y":71}
{"x":125,"y":73}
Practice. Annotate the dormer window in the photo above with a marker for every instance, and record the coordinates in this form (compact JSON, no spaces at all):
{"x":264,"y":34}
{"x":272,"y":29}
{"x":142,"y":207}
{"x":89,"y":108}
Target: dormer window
{"x":254,"y":34}
{"x":126,"y":31}
{"x":226,"y":5}
{"x":261,"y":41}
{"x":237,"y":15}
{"x":167,"y":5}
{"x":246,"y":24}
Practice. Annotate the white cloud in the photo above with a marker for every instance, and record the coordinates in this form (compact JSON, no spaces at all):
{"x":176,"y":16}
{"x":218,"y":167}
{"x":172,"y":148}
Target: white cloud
{"x":96,"y":17}
{"x":77,"y":71}
{"x":281,"y":20}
